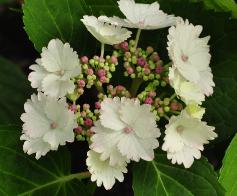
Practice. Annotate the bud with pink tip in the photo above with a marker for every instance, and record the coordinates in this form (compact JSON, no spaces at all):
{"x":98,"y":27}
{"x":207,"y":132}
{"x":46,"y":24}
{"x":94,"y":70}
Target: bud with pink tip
{"x":84,"y":60}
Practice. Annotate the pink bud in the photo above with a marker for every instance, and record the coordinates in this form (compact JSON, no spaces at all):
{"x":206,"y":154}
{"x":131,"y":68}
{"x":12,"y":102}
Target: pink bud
{"x":119,"y":88}
{"x":88,"y":122}
{"x":101,"y":72}
{"x":152,"y":94}
{"x":147,"y":71}
{"x":113,"y":59}
{"x":90,"y":71}
{"x":130,"y":70}
{"x":174,"y":106}
{"x":81,"y":83}
{"x":97,"y":105}
{"x":103,"y":79}
{"x":159,"y":69}
{"x":84,"y":60}
{"x":73,"y":107}
{"x":124,"y":45}
{"x":148,"y":100}
{"x":141,"y":61}
{"x":78,"y":130}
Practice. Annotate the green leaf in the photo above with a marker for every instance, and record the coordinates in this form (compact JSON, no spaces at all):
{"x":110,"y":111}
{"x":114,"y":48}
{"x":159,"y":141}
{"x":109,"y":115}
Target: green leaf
{"x":159,"y":178}
{"x":221,"y":6}
{"x":14,"y":89}
{"x":21,"y":174}
{"x":221,"y":107}
{"x":48,"y":19}
{"x":228,"y":172}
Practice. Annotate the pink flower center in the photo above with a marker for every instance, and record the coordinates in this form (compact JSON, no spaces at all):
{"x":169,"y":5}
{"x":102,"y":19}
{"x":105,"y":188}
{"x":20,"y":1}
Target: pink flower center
{"x":184,"y":58}
{"x":180,"y":128}
{"x":53,"y":125}
{"x":128,"y":130}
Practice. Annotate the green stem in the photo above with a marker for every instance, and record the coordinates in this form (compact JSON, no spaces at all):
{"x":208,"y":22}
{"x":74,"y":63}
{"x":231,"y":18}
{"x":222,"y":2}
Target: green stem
{"x":99,"y":88}
{"x":166,"y":117}
{"x":173,"y":96}
{"x":137,"y":37}
{"x":82,"y":175}
{"x":136,"y":83}
{"x":102,"y":50}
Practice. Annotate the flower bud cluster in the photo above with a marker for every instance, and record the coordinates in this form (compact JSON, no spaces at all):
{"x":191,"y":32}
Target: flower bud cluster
{"x":160,"y":106}
{"x":96,"y":71}
{"x":85,"y":120}
{"x":117,"y":91}
{"x":144,"y":64}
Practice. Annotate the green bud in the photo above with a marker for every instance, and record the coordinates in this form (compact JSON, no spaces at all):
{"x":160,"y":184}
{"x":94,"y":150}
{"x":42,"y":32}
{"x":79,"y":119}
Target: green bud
{"x":90,"y":115}
{"x":133,"y":76}
{"x":132,"y":49}
{"x":166,"y":109}
{"x":139,"y":68}
{"x":157,"y":76}
{"x":131,"y":42}
{"x":166,"y":101}
{"x":92,"y":62}
{"x":151,"y":77}
{"x":163,"y":83}
{"x":145,"y":78}
{"x":101,"y":65}
{"x":80,"y":138}
{"x":125,"y":74}
{"x":85,"y":66}
{"x":134,"y":60}
{"x":140,"y":75}
{"x":109,"y":75}
{"x":112,"y":68}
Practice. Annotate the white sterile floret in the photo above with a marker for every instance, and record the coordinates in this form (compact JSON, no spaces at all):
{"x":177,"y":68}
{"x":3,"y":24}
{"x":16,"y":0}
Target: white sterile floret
{"x":105,"y":33}
{"x":53,"y":72}
{"x":190,"y":54}
{"x":127,"y":127}
{"x":185,"y":137}
{"x":102,"y":172}
{"x":48,"y":123}
{"x":195,"y":110}
{"x":188,"y":91}
{"x":141,"y":16}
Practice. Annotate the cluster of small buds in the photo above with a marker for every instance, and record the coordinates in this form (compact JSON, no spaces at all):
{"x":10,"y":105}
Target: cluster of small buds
{"x":85,"y":120}
{"x":96,"y":71}
{"x":144,"y":64}
{"x":161,"y":107}
{"x":117,"y":91}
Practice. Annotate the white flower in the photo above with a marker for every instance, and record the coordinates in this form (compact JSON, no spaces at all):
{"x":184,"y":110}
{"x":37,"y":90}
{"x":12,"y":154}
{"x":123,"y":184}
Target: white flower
{"x":195,"y":110}
{"x":190,"y":54}
{"x":141,"y":16}
{"x":127,"y":127}
{"x":53,"y":72}
{"x":105,"y":33}
{"x":188,"y":91}
{"x":185,"y":137}
{"x":47,"y":124}
{"x":102,"y":172}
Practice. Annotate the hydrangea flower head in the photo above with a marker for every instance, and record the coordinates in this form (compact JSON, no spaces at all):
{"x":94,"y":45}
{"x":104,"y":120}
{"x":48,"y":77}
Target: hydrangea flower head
{"x":48,"y":123}
{"x":185,"y":137}
{"x":105,"y":33}
{"x":102,"y":172}
{"x":127,"y":126}
{"x":141,"y":16}
{"x":190,"y":54}
{"x":52,"y":73}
